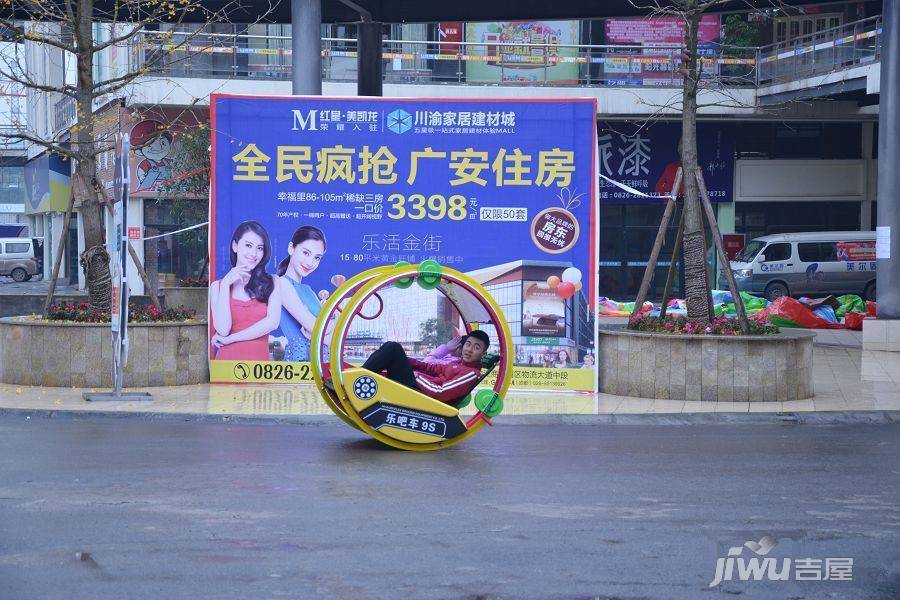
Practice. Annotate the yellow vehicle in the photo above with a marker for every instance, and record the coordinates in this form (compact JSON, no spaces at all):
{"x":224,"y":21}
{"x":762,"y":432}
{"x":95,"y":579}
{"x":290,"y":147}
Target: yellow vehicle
{"x":386,"y":410}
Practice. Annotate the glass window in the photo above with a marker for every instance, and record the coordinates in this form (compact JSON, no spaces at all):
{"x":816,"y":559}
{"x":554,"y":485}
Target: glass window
{"x":12,"y":185}
{"x":808,"y":251}
{"x":778,"y":251}
{"x":182,"y":256}
{"x":817,"y":251}
{"x":17,"y":248}
{"x":750,"y":251}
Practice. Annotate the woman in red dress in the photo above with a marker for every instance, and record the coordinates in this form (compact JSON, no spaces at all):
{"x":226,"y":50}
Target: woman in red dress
{"x":244,"y":306}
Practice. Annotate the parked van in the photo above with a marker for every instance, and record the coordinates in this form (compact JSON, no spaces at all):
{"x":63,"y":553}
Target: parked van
{"x":19,"y":258}
{"x":808,"y":264}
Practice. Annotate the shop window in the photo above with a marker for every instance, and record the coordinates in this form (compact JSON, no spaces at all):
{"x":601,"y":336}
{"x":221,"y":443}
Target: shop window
{"x":842,"y":140}
{"x":756,"y":219}
{"x":170,"y":259}
{"x":799,"y":140}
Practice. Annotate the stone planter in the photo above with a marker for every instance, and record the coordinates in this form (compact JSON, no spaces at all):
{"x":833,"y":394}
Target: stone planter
{"x":194,"y":298}
{"x":769,"y":368}
{"x":45,"y":353}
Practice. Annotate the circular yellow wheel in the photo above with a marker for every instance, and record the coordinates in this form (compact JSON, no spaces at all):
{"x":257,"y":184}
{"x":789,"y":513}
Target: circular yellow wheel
{"x":389,"y":412}
{"x":316,"y":362}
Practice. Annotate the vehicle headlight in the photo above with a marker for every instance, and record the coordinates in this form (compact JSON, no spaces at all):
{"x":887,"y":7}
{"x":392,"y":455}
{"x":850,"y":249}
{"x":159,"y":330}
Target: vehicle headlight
{"x":742,"y":273}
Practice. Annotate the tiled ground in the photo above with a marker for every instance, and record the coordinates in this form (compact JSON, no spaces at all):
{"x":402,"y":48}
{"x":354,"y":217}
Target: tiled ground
{"x":846,"y":378}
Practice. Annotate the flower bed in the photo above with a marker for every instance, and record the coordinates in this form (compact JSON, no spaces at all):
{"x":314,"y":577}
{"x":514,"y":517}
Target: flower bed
{"x":191,"y":282}
{"x":678,"y":324}
{"x":80,"y":312}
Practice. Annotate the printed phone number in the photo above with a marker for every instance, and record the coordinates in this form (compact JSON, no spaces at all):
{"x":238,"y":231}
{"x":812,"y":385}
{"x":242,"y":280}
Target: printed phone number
{"x":273,"y":372}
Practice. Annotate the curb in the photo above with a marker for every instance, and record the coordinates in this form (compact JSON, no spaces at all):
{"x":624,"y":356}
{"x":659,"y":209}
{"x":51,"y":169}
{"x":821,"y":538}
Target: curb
{"x":871,"y":417}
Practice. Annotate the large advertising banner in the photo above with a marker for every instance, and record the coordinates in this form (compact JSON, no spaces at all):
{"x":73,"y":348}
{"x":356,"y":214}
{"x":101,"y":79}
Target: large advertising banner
{"x":548,"y":59}
{"x":308,"y":191}
{"x":655,"y":64}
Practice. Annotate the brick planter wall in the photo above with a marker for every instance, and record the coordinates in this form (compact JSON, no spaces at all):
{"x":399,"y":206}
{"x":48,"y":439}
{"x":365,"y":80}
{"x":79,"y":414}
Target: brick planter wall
{"x":79,"y":354}
{"x":719,"y":368}
{"x":194,"y":298}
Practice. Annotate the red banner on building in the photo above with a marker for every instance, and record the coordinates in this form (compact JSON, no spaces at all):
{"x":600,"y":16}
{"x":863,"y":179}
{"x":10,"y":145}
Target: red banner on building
{"x":450,"y":32}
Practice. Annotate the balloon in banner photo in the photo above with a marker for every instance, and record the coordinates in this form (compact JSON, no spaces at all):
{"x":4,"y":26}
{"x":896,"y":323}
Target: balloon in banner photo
{"x":337,"y":280}
{"x":553,"y":281}
{"x":565,"y":289}
{"x":323,"y":295}
{"x":578,"y":286}
{"x":571,"y":275}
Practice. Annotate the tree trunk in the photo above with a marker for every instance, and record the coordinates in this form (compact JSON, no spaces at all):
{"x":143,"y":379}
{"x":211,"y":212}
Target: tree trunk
{"x":695,"y":281}
{"x":95,"y":258}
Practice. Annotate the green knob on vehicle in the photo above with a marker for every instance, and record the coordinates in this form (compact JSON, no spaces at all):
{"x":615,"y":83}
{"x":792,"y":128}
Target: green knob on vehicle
{"x":489,"y":402}
{"x":429,"y":274}
{"x":406,"y":281}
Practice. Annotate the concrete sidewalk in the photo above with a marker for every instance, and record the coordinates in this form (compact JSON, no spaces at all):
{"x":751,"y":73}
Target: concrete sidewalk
{"x":846,"y":379}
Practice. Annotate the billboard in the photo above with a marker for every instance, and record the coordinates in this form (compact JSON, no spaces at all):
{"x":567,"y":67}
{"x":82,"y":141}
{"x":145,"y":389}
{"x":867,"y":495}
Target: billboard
{"x":547,"y":62}
{"x":314,"y":190}
{"x":48,"y":184}
{"x":655,"y":65}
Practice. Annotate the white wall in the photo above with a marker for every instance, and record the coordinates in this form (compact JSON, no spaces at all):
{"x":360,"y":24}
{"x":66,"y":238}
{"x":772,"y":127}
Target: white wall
{"x":177,"y":91}
{"x":801,"y":180}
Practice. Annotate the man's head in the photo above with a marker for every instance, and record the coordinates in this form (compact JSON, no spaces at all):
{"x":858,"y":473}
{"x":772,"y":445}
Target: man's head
{"x":475,"y":346}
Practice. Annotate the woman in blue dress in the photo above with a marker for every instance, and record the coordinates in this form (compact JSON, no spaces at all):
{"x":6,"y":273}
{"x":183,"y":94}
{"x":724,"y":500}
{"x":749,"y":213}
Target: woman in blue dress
{"x":300,"y":305}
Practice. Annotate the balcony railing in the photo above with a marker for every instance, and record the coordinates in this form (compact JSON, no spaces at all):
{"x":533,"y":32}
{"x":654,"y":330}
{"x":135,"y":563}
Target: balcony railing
{"x":193,"y":54}
{"x":405,"y":61}
{"x":821,"y":53}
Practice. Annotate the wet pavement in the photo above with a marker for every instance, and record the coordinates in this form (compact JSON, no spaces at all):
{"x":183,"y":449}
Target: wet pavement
{"x":134,"y":508}
{"x":845,"y":379}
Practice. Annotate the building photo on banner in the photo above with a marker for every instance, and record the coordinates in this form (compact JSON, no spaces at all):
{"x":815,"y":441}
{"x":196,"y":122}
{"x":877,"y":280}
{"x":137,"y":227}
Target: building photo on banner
{"x":308,"y":192}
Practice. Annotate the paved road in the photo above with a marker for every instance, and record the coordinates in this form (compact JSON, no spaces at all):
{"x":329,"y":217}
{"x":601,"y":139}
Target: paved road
{"x":171,"y":509}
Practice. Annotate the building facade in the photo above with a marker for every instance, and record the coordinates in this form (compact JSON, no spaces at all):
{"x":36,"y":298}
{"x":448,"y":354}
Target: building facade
{"x":787,"y":136}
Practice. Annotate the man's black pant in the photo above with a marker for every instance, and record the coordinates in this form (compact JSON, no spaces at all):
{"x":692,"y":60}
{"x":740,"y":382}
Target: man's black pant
{"x":391,"y":358}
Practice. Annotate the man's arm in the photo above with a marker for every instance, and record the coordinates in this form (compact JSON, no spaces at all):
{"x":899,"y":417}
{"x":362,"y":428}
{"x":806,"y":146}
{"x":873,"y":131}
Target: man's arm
{"x":420,"y":365}
{"x":449,"y":390}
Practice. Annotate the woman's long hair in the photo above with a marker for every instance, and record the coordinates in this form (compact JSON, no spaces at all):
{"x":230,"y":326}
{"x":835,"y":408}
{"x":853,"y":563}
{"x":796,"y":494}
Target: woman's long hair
{"x":260,"y":285}
{"x":306,"y":232}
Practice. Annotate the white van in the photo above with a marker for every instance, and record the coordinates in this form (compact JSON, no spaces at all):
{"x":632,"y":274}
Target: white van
{"x":20,"y":258}
{"x":808,"y":264}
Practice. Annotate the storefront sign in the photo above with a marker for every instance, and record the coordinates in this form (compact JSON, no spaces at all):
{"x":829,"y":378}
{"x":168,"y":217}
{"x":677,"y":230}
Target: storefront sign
{"x":646,"y":157}
{"x":733,"y":243}
{"x":316,"y":190}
